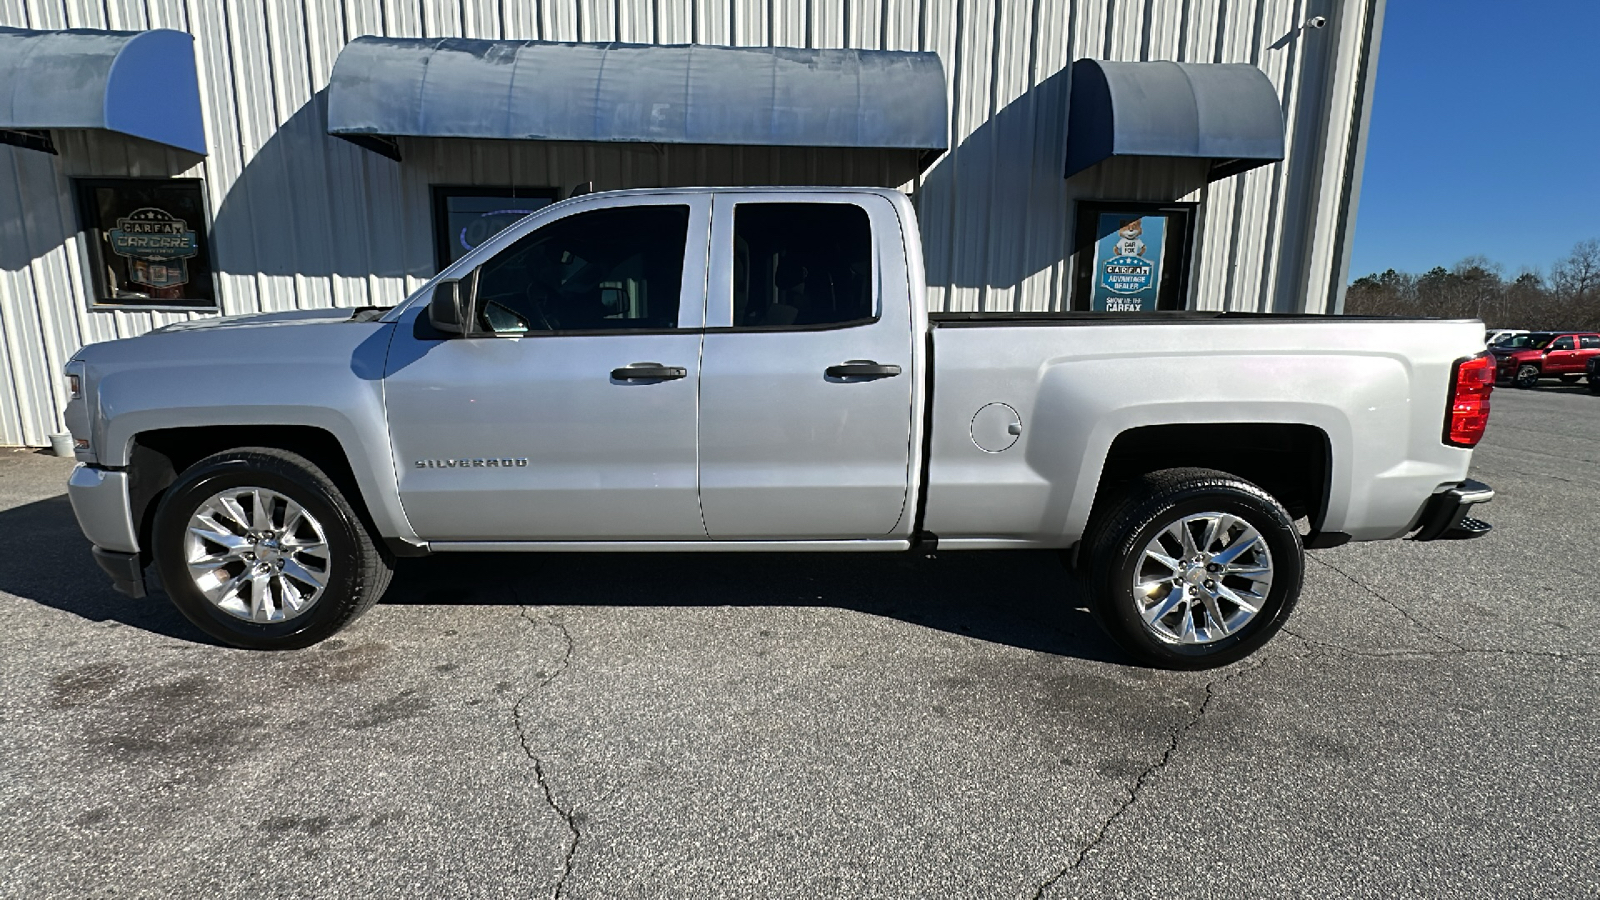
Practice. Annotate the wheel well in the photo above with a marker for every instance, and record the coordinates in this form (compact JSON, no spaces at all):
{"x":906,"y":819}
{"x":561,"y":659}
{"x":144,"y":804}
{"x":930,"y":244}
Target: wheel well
{"x":158,"y":457}
{"x":1290,"y":462}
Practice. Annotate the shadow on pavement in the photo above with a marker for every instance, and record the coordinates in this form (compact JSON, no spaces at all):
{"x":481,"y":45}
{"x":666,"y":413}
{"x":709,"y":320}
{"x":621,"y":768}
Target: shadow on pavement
{"x":44,"y":558}
{"x":1021,"y":599}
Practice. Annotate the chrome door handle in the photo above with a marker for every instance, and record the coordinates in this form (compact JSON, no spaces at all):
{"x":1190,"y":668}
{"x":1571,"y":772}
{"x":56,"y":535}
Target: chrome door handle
{"x":861,"y":368}
{"x":648,"y":371}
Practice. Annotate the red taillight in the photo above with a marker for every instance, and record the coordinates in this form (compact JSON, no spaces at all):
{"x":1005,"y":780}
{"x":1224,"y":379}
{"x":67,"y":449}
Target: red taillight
{"x":1471,"y":383}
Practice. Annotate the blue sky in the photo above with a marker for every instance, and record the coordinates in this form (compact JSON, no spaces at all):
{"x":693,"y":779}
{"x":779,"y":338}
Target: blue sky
{"x":1485,"y":135}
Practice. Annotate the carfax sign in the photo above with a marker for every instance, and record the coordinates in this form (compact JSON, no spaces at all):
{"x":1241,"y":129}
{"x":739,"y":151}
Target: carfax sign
{"x":1127,"y":262}
{"x":156,"y":244}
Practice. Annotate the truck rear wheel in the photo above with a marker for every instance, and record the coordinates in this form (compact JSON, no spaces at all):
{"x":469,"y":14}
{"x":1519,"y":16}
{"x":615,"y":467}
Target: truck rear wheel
{"x":1193,"y":568}
{"x":259,"y":549}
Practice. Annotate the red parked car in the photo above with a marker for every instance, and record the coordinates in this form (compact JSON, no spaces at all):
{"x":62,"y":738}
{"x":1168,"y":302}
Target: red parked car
{"x":1559,"y":354}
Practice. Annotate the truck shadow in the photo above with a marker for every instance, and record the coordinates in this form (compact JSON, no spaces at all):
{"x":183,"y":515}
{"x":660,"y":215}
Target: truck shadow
{"x":1023,"y":599}
{"x":1020,"y":599}
{"x":44,"y":558}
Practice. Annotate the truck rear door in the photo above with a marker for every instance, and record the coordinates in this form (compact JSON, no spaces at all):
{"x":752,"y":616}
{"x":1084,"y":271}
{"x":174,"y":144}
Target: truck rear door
{"x":807,"y":385}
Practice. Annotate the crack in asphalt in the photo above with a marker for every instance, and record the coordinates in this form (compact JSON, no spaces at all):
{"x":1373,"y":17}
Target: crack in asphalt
{"x":1424,"y":653}
{"x":1134,"y":789}
{"x":1455,"y":648}
{"x":1427,"y":629}
{"x":575,"y":835}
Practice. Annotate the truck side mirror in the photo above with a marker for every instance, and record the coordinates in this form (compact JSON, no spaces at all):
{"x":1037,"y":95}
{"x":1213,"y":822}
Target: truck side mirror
{"x":450,"y":308}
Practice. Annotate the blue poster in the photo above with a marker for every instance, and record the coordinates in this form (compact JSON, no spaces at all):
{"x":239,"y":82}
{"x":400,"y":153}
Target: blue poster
{"x":1127,"y":262}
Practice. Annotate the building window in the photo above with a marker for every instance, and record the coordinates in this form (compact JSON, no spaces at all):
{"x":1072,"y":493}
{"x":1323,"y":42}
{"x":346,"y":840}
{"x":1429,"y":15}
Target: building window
{"x":464,"y":217}
{"x":147,"y":242}
{"x":1132,"y":257}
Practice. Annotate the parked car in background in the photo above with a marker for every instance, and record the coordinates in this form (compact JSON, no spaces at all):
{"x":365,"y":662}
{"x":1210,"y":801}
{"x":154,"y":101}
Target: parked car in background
{"x":1524,"y":341}
{"x":1496,"y":335}
{"x":1563,"y":355}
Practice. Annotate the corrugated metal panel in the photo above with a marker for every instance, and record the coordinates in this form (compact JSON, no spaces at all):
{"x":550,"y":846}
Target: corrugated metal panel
{"x":302,"y":220}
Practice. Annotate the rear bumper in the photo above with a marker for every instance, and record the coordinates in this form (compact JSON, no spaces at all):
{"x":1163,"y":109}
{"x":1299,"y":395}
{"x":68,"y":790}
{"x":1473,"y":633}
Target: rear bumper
{"x":1444,"y":516}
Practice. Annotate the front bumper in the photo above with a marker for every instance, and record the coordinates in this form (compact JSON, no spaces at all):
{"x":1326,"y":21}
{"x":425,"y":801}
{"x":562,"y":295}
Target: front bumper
{"x":126,"y":571}
{"x":1444,"y":516}
{"x":1509,"y":362}
{"x":100,"y":502}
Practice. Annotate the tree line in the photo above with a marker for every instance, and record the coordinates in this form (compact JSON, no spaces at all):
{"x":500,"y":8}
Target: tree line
{"x":1476,"y":288}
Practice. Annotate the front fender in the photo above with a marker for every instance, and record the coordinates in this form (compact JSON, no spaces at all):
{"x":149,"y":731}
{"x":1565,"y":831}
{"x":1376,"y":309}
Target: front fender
{"x":325,"y":376}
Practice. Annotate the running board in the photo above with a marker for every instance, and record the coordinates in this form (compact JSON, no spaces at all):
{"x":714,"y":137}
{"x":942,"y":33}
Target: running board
{"x":668,"y":546}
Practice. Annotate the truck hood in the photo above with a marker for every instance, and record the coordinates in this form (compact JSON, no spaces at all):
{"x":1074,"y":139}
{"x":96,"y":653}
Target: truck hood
{"x":262,"y":320}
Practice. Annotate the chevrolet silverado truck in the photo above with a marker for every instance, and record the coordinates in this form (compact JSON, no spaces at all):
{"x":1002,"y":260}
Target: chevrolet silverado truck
{"x":757,"y":370}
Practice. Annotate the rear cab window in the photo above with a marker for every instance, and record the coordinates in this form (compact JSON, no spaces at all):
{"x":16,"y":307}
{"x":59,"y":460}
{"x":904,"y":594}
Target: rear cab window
{"x":801,"y":265}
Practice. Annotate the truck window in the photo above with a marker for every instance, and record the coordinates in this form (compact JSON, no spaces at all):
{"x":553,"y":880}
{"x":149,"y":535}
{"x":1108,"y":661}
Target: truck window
{"x":801,"y":264}
{"x":602,"y":270}
{"x":1562,"y":343}
{"x":1589,"y":342}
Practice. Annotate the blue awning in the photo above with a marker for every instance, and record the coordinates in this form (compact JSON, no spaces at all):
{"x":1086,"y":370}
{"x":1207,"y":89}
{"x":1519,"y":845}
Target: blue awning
{"x":531,"y":90}
{"x":1227,"y":113}
{"x":140,"y":83}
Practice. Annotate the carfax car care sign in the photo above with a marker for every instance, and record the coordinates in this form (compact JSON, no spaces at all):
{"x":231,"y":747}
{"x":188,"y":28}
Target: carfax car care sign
{"x":1127,"y":262}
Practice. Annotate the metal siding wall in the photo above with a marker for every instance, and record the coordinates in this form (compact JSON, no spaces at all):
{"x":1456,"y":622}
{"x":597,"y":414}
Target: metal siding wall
{"x":302,"y":220}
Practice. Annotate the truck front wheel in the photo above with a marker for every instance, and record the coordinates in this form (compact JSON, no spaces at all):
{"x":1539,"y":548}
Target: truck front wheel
{"x":1193,"y":568}
{"x":1526,"y":377}
{"x":259,"y":549}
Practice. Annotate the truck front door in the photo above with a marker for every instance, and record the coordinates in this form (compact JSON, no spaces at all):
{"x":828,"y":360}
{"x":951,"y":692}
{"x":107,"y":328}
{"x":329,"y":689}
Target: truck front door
{"x":807,"y":380}
{"x":1562,"y":357}
{"x":568,"y":409}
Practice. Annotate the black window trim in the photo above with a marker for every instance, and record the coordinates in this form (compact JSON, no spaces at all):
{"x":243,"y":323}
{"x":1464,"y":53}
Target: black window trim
{"x":91,"y":252}
{"x":758,"y":329}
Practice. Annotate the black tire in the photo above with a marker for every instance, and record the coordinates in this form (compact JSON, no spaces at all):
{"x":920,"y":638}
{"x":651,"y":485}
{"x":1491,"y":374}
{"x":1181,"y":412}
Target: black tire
{"x":1570,"y":379}
{"x":359,"y":569}
{"x":1526,"y":377}
{"x":1114,"y":549}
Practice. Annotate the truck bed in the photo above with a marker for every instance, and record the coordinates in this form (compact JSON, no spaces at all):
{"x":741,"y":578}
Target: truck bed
{"x":1373,"y":389}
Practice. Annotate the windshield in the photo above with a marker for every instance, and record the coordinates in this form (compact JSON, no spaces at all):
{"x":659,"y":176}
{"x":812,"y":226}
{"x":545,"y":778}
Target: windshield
{"x":1535,"y":341}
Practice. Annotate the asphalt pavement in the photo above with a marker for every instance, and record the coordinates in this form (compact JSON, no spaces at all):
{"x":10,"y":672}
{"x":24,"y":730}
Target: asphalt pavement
{"x":774,"y":726}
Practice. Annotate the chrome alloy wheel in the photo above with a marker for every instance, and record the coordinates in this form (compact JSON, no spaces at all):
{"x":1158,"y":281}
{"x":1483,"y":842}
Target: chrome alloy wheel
{"x":1202,"y":578}
{"x":257,"y":555}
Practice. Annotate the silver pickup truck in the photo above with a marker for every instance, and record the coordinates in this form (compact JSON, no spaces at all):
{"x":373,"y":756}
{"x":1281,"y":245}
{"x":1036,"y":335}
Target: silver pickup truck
{"x":757,"y":370}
